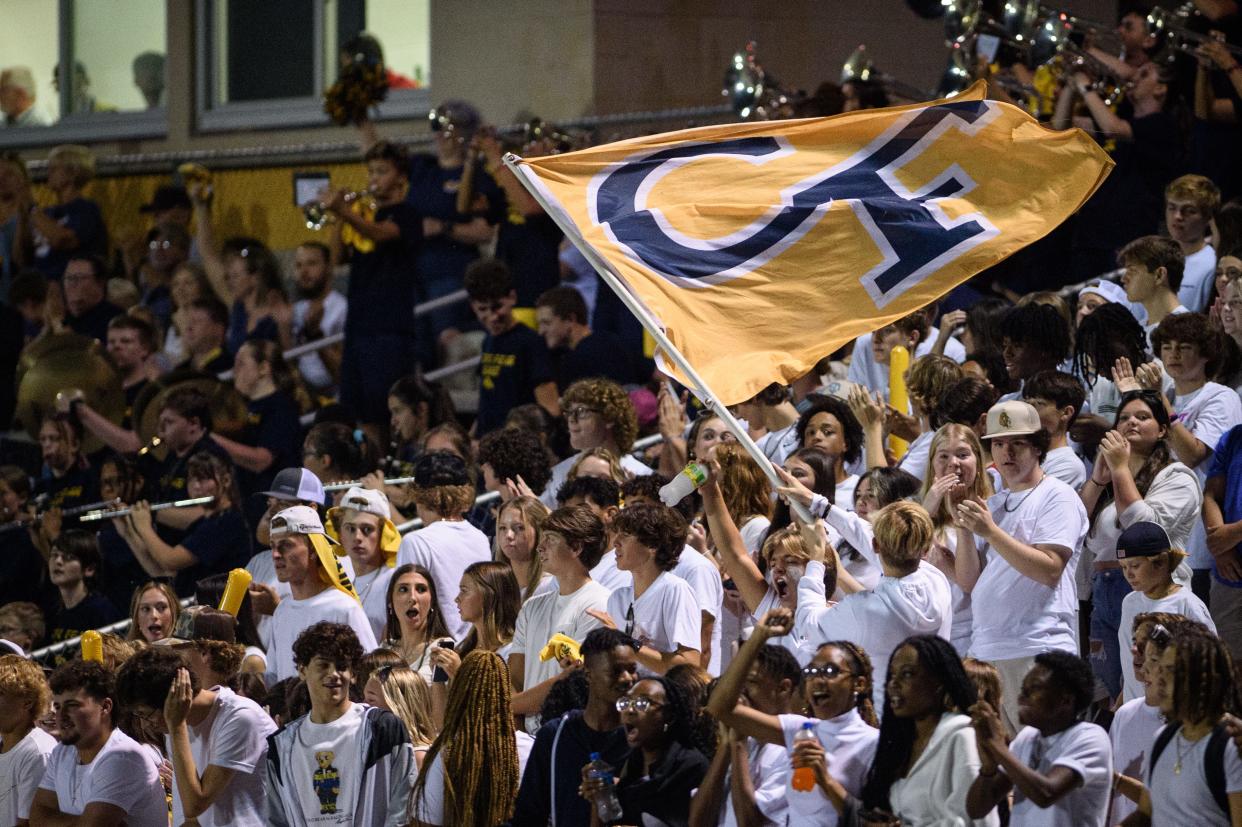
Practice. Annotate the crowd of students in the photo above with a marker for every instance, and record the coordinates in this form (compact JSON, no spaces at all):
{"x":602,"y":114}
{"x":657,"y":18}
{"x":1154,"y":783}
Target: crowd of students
{"x":1018,"y":600}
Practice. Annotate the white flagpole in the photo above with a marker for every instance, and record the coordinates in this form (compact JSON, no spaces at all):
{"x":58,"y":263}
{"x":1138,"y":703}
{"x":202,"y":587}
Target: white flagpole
{"x":615,"y":283}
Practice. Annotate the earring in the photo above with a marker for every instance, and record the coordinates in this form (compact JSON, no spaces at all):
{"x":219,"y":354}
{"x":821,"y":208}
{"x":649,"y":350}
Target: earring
{"x":666,"y":727}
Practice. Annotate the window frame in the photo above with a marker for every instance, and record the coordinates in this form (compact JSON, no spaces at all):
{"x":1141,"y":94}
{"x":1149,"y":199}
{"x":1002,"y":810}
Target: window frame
{"x":277,"y":113}
{"x":86,"y":128}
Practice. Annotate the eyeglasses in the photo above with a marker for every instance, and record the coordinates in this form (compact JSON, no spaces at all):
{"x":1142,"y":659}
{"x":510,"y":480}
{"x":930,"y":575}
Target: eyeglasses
{"x":639,"y":704}
{"x":828,"y":670}
{"x":575,"y":414}
{"x":160,"y":245}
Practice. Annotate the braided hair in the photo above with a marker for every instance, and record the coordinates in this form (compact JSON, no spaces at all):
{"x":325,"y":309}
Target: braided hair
{"x":1111,"y":331}
{"x":897,"y":734}
{"x":862,"y":669}
{"x":1203,"y":678}
{"x":475,"y":746}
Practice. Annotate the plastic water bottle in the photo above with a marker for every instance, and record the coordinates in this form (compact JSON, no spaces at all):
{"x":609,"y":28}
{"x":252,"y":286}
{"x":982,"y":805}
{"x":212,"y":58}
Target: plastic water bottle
{"x":680,"y":486}
{"x":606,"y":803}
{"x":804,"y":777}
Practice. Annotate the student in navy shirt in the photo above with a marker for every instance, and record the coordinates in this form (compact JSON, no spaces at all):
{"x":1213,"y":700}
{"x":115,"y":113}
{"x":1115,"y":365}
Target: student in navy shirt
{"x":215,"y":543}
{"x":380,"y":341}
{"x":515,"y":369}
{"x":74,"y":567}
{"x":577,"y":351}
{"x":73,"y":225}
{"x":87,"y":311}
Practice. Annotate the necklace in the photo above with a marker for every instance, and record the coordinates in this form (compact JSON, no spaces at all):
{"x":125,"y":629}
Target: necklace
{"x":1177,"y":767}
{"x":1009,"y":510}
{"x":363,"y":592}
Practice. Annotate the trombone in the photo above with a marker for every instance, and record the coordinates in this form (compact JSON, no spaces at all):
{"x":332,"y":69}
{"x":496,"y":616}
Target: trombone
{"x":341,"y":486}
{"x":104,"y":514}
{"x":860,"y":67}
{"x":751,"y":90}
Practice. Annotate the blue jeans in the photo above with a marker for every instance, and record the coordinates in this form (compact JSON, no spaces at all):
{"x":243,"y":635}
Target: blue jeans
{"x":1108,"y":589}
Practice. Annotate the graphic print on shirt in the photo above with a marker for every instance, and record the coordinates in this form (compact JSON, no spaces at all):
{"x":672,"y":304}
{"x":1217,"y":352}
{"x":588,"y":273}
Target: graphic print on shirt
{"x":327,"y":781}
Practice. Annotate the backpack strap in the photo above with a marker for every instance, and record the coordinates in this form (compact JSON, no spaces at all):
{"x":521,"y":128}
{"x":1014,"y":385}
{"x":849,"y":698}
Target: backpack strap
{"x":1162,"y":741}
{"x":1214,"y":766}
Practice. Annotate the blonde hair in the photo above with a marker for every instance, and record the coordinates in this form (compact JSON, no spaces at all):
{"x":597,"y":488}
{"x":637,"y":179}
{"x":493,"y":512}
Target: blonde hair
{"x":743,"y":485}
{"x":79,"y":160}
{"x":174,"y":606}
{"x":534,"y":514}
{"x":24,"y":681}
{"x":981,"y":487}
{"x":1198,"y":189}
{"x":614,"y":464}
{"x":409,"y":698}
{"x":903,"y":533}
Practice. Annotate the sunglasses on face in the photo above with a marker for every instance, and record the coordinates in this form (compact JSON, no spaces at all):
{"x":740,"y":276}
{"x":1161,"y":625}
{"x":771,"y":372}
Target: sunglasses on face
{"x":828,"y":670}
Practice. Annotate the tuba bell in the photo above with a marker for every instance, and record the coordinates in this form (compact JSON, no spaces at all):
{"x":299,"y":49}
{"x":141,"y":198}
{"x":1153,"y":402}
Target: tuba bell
{"x":860,"y":67}
{"x":751,"y":91}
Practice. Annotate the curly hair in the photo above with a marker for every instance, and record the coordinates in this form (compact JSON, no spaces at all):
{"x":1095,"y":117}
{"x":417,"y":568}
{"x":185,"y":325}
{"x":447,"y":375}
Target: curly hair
{"x":657,"y":527}
{"x":743,"y":485}
{"x":1192,"y":329}
{"x":602,"y":492}
{"x":897,"y":734}
{"x":446,"y":500}
{"x":930,"y":378}
{"x":612,"y":403}
{"x":22,"y":680}
{"x":1202,"y":678}
{"x":222,"y":658}
{"x":93,"y":678}
{"x":852,"y":432}
{"x":146,"y":678}
{"x":334,"y":641}
{"x":514,"y":452}
{"x":1040,"y":328}
{"x":1072,"y":674}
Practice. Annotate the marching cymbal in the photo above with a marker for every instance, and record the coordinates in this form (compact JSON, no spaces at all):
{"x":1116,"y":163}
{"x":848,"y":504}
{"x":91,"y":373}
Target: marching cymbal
{"x":228,"y":407}
{"x":62,"y":363}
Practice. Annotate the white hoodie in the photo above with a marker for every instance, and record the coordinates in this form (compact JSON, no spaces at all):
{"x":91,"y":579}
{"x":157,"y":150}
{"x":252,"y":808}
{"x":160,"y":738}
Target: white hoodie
{"x":879,"y":619}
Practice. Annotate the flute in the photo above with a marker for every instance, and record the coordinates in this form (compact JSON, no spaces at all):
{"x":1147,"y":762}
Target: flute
{"x":68,"y":512}
{"x":341,"y":486}
{"x":121,"y":512}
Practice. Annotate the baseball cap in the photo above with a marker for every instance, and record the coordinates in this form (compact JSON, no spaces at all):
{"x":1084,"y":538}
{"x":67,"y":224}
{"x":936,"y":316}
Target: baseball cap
{"x":202,"y":623}
{"x":296,"y":484}
{"x":1143,"y":539}
{"x":439,"y":468}
{"x":1013,"y":418}
{"x":1108,"y":290}
{"x":367,"y":501}
{"x":302,"y":519}
{"x":167,"y":197}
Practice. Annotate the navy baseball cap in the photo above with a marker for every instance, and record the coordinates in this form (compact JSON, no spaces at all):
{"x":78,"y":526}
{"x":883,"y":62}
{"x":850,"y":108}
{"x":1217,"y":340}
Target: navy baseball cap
{"x":1143,"y":540}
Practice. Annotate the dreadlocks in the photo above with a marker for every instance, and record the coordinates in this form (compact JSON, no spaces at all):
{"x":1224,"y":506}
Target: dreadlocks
{"x":1109,"y":332}
{"x":862,"y":668}
{"x":478,"y":723}
{"x":1202,"y":677}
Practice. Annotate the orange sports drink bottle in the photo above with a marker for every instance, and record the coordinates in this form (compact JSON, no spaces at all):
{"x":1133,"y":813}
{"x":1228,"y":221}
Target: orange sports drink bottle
{"x":804,"y":777}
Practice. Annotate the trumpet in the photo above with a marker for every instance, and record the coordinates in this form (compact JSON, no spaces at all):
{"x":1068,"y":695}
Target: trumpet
{"x":1178,"y":37}
{"x":318,"y":216}
{"x":104,"y":514}
{"x":751,"y":90}
{"x":341,"y":486}
{"x":17,"y":524}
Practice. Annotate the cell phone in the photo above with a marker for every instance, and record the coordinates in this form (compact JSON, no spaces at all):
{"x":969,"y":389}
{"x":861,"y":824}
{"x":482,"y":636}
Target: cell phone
{"x":438,"y":675}
{"x":986,"y":46}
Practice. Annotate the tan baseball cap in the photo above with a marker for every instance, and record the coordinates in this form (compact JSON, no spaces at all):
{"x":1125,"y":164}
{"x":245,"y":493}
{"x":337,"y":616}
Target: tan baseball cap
{"x":1013,"y":418}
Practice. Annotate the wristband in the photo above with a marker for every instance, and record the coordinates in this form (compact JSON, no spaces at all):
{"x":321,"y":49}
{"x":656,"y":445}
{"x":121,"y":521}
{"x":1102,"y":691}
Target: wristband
{"x":1100,"y":484}
{"x":986,"y":774}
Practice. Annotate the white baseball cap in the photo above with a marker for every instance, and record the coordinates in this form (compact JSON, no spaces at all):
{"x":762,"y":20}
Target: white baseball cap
{"x":1108,"y":290}
{"x":1013,"y":418}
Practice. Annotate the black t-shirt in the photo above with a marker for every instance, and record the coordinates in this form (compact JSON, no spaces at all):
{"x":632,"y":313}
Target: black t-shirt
{"x":77,"y":487}
{"x":86,"y":221}
{"x":218,"y":361}
{"x":22,"y":569}
{"x":94,"y":322}
{"x":433,"y":193}
{"x":599,"y":354}
{"x":123,"y":571}
{"x":219,"y":542}
{"x":94,"y":612}
{"x":167,"y":479}
{"x":513,"y":365}
{"x":273,"y":423}
{"x":131,"y":396}
{"x":531,"y":248}
{"x":384,"y":284}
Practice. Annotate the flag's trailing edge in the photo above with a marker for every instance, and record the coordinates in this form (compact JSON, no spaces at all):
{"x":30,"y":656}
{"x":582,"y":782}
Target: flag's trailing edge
{"x":751,"y":251}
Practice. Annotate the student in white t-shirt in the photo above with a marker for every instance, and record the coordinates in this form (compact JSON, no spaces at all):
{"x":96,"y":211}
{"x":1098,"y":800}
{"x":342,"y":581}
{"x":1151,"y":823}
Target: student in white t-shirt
{"x":1190,"y":202}
{"x":96,"y":771}
{"x":1058,"y":397}
{"x":343,"y":763}
{"x":446,"y":544}
{"x":1148,"y":561}
{"x":303,"y":557}
{"x":599,"y":414}
{"x":24,"y":747}
{"x":603,"y":497}
{"x":570,"y":545}
{"x":1195,"y":685}
{"x":912,"y":598}
{"x":362,"y":523}
{"x":216,"y":740}
{"x":659,"y":609}
{"x":701,"y":574}
{"x":869,"y":365}
{"x":1024,"y":599}
{"x":837,"y":690}
{"x":1059,"y":767}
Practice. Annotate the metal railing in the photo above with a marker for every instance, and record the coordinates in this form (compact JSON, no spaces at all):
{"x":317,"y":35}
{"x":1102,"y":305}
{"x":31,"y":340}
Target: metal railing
{"x":121,"y":627}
